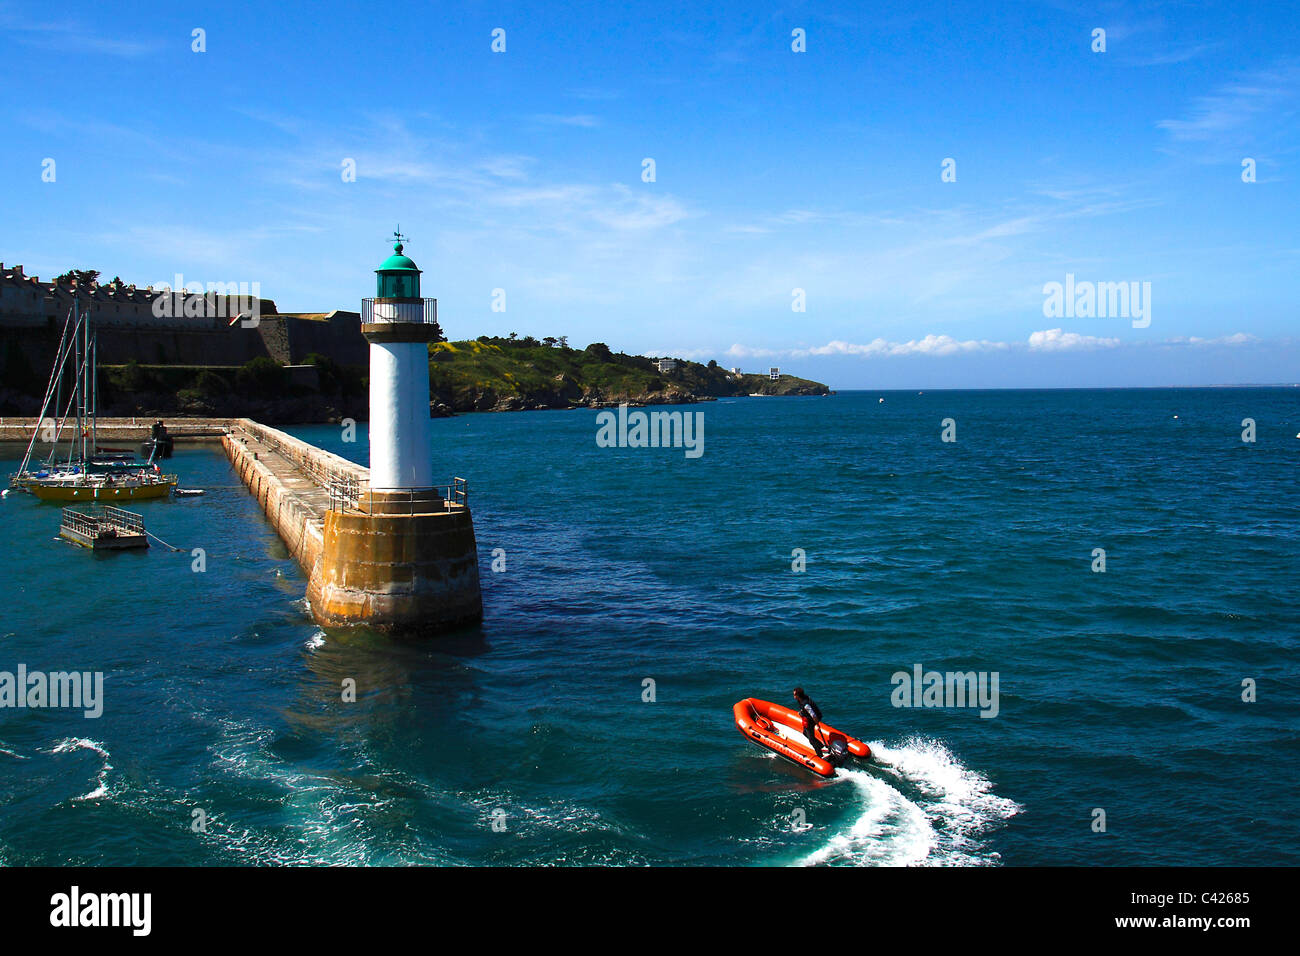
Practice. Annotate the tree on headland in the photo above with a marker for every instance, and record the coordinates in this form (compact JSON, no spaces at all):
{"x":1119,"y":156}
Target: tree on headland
{"x":83,"y":277}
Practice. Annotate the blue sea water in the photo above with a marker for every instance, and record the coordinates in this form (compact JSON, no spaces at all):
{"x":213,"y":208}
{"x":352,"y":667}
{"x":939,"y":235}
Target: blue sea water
{"x":1119,"y":691}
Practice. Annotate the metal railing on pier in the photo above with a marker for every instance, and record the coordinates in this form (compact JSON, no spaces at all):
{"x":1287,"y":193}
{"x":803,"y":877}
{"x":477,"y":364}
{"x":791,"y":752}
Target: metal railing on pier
{"x":303,"y":460}
{"x":350,"y":494}
{"x":348,"y":491}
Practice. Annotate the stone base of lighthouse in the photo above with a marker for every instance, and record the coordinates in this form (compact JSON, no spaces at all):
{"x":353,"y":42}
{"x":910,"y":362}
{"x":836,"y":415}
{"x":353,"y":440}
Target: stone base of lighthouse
{"x":403,"y":563}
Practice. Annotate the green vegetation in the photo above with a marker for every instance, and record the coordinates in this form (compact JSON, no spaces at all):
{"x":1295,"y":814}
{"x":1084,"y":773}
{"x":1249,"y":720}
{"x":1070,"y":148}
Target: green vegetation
{"x":262,"y":378}
{"x":512,"y":372}
{"x":486,"y":374}
{"x":83,"y":277}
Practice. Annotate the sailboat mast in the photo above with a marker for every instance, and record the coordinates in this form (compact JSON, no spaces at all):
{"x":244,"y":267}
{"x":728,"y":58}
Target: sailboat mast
{"x":94,"y":393}
{"x":78,"y":373}
{"x":85,"y":392}
{"x":59,"y":408}
{"x":52,"y":388}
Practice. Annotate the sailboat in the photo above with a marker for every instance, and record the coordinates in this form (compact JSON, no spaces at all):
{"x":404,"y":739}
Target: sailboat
{"x":86,"y":475}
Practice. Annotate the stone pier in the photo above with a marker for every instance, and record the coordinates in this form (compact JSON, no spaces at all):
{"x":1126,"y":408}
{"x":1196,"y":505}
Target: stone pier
{"x":399,"y":562}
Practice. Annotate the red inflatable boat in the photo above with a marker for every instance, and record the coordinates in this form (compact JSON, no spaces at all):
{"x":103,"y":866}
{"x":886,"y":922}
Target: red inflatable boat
{"x":780,"y":730}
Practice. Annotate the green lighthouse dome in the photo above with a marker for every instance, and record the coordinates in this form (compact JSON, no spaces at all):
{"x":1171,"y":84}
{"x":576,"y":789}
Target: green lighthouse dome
{"x":397,"y":277}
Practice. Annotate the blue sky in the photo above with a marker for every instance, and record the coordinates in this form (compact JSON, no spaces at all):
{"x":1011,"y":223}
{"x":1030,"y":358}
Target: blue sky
{"x":774,"y":171}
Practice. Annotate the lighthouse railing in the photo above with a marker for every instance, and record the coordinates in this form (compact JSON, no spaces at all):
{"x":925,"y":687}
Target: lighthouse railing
{"x":350,"y":494}
{"x":422,"y":311}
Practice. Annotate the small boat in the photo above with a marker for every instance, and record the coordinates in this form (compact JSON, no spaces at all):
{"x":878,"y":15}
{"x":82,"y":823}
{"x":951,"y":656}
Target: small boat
{"x":187,"y":492}
{"x":780,"y":730}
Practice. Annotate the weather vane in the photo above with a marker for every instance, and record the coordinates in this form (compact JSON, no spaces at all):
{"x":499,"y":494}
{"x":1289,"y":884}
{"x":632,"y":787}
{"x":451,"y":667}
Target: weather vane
{"x":397,"y":234}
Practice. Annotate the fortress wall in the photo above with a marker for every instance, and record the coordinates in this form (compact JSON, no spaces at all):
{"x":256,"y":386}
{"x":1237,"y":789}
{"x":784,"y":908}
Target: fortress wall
{"x":339,"y":336}
{"x":283,"y":338}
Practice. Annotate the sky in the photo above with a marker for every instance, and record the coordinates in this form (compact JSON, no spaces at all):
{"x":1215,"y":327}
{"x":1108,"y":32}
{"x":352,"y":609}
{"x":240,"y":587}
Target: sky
{"x":798,"y":216}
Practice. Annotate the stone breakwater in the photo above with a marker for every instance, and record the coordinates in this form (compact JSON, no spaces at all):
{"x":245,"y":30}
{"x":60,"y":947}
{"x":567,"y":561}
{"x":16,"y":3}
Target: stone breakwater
{"x":112,"y":430}
{"x":398,"y":561}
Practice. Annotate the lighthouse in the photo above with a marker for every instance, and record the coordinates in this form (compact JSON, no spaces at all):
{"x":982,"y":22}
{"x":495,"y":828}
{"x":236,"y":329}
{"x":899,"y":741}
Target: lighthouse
{"x":399,"y":325}
{"x":397,"y":552}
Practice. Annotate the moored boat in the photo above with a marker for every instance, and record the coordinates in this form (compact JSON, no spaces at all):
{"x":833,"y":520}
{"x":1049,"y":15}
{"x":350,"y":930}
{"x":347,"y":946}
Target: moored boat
{"x":103,"y":487}
{"x":90,"y":472}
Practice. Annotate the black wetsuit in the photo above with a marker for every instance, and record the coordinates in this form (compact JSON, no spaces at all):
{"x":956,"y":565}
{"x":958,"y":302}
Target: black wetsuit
{"x":812,"y":716}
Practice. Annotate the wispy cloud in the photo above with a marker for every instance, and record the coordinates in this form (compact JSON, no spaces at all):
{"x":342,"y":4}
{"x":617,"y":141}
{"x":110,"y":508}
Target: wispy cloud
{"x":1175,"y":55}
{"x":584,"y":120}
{"x":1235,"y":107}
{"x":595,"y":94}
{"x":75,"y":38}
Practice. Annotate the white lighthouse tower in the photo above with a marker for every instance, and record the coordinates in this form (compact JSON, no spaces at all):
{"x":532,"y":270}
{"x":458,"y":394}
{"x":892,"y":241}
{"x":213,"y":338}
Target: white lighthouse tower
{"x":399,"y":325}
{"x":401,"y":557}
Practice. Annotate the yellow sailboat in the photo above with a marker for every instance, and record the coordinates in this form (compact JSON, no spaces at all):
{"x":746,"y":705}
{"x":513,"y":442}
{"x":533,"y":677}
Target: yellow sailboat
{"x":85,"y":477}
{"x":107,"y":487}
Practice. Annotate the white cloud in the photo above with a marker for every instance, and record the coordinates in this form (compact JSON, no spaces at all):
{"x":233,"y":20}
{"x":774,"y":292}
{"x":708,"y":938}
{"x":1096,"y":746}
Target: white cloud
{"x":1047,"y":340}
{"x":1240,"y":338}
{"x":930,"y":345}
{"x":1058,"y":340}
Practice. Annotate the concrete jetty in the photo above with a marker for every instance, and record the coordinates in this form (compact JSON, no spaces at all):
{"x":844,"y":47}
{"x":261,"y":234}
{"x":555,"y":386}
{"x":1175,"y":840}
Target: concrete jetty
{"x":402,"y":562}
{"x":123,"y":430}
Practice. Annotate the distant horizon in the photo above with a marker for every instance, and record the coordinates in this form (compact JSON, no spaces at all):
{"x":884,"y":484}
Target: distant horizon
{"x":1060,"y":388}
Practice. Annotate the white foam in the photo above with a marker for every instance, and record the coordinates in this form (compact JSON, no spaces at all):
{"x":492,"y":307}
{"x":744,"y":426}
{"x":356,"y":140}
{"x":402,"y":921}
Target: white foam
{"x":70,"y":744}
{"x":315,"y":641}
{"x":891,"y":831}
{"x":943,"y":824}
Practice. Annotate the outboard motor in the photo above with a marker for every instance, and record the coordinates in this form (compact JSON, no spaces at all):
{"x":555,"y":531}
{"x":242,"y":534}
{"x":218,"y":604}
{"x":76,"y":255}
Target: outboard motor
{"x":837,"y":753}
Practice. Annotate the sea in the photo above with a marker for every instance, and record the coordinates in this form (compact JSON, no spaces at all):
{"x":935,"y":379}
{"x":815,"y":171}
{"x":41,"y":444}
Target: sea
{"x":1119,"y":565}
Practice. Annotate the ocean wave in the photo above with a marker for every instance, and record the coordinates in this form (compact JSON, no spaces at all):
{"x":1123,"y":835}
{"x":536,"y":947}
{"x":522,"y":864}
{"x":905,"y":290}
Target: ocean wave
{"x":72,"y":744}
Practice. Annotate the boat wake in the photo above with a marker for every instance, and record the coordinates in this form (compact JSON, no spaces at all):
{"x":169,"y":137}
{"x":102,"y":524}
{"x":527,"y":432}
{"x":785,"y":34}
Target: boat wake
{"x":920,"y":807}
